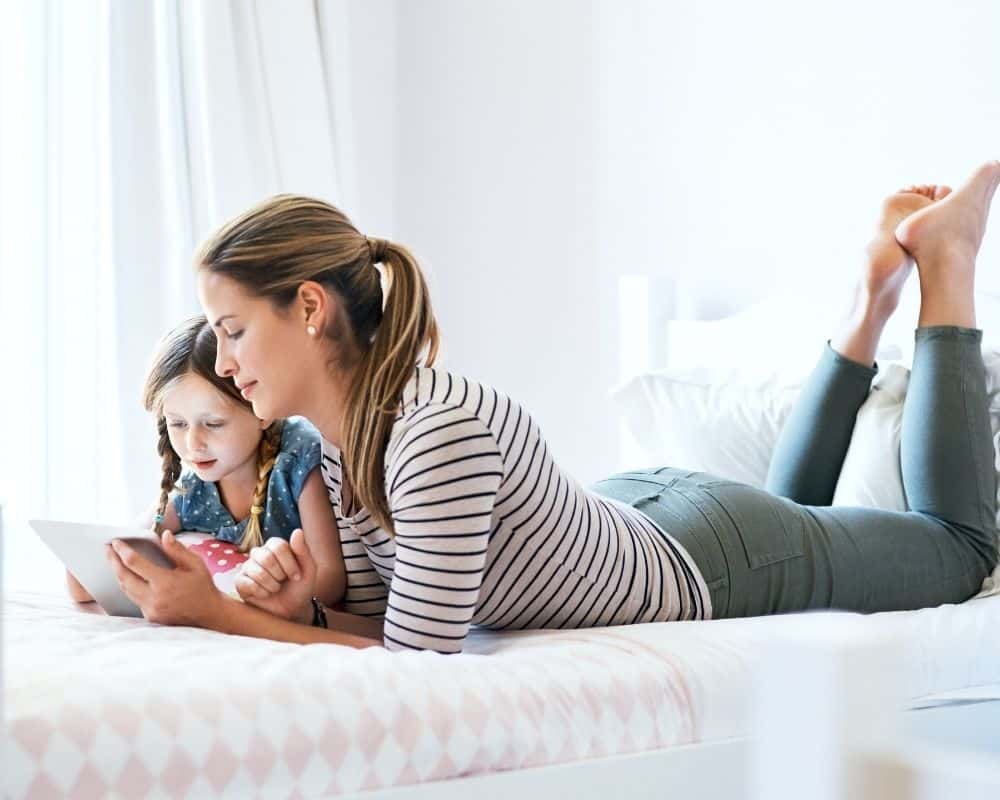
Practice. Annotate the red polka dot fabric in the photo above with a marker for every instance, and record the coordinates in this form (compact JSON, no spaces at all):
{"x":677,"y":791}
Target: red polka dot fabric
{"x":219,"y":556}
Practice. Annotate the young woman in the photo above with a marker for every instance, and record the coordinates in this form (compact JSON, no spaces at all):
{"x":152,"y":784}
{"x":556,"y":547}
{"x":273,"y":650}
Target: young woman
{"x":452,"y":511}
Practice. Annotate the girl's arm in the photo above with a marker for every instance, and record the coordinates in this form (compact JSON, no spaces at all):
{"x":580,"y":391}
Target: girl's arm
{"x":76,"y":590}
{"x":320,"y":526}
{"x":171,"y":522}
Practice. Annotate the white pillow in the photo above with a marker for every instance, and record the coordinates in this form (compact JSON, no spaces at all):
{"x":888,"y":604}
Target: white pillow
{"x":697,"y":421}
{"x":871,"y":474}
{"x":730,"y":429}
{"x":728,"y":426}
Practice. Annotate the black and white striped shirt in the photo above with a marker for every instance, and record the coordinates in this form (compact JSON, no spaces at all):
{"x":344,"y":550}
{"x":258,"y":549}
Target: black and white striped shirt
{"x":490,"y":532}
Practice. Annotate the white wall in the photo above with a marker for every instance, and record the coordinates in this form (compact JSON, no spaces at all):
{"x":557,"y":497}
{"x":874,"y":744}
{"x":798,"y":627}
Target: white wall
{"x":750,"y":143}
{"x":544,"y":149}
{"x":373,"y":62}
{"x":495,"y":192}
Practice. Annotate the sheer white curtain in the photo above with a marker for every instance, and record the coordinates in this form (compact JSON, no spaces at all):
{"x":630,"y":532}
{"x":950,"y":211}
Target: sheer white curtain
{"x":130,"y":131}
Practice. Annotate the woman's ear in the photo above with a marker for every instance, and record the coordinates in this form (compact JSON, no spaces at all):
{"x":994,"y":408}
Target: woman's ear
{"x":314,"y":303}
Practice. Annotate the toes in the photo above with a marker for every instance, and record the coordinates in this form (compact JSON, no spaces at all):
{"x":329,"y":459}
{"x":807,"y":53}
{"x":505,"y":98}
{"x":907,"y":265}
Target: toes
{"x":940,"y":192}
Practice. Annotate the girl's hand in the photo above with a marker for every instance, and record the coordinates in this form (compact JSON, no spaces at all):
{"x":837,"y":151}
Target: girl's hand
{"x":280,"y":578}
{"x":184,"y":595}
{"x":76,"y":590}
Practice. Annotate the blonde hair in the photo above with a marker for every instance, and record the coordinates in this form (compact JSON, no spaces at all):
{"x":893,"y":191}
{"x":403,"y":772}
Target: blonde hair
{"x":273,"y":248}
{"x":190,"y":349}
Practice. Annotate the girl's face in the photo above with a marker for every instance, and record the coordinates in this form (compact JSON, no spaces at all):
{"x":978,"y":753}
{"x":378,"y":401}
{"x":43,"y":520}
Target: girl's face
{"x":261,"y":350}
{"x":213,"y":435}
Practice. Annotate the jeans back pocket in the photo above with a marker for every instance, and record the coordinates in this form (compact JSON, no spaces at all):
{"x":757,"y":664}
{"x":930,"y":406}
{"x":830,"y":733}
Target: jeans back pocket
{"x":768,"y":527}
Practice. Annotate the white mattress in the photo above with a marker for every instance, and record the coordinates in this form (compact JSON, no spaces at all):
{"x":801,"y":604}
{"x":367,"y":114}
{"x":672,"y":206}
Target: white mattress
{"x":98,"y":705}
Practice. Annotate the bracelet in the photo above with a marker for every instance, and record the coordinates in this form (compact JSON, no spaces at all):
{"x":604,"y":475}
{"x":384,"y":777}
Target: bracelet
{"x":319,"y":614}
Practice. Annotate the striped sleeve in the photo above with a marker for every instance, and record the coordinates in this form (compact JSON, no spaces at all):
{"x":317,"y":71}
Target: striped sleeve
{"x":442,"y":479}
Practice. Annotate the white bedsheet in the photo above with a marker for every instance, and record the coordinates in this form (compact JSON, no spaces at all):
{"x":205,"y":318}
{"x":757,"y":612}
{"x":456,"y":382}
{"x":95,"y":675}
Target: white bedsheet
{"x":98,"y":705}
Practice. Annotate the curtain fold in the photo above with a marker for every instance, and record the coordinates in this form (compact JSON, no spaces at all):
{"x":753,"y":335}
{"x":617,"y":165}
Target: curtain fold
{"x":151,"y":124}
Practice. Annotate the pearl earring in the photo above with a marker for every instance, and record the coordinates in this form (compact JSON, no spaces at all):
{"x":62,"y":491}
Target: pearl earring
{"x":311,"y":330}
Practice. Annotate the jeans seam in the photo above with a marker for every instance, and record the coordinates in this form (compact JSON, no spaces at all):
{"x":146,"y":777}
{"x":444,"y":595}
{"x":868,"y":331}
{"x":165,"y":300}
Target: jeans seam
{"x":969,"y":416}
{"x":728,"y":576}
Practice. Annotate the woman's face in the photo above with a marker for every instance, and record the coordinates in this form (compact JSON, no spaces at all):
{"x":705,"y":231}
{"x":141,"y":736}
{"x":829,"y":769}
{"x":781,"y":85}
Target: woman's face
{"x":262,"y":350}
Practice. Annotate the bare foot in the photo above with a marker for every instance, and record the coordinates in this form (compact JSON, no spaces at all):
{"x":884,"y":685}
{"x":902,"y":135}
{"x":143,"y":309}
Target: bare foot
{"x":888,"y":264}
{"x":946,"y":235}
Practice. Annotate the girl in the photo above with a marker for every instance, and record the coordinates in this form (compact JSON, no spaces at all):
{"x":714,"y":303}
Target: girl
{"x":248,"y":482}
{"x":453,"y":511}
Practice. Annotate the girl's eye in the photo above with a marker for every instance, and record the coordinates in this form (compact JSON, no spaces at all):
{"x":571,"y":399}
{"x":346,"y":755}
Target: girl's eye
{"x":175,"y":424}
{"x":214,"y":424}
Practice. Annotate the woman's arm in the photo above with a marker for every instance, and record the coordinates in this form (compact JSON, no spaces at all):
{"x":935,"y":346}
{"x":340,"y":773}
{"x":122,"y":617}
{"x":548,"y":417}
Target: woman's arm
{"x":186,"y":595}
{"x":241,"y":619}
{"x":320,"y":526}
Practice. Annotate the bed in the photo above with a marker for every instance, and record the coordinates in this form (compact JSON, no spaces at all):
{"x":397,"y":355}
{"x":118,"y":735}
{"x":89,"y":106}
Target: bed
{"x":98,"y":706}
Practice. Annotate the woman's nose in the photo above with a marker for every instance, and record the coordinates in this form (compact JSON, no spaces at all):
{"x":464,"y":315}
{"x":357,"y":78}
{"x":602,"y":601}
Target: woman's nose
{"x":224,"y":364}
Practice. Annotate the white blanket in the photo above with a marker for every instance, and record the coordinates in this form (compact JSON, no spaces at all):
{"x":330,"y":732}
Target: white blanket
{"x":98,"y":705}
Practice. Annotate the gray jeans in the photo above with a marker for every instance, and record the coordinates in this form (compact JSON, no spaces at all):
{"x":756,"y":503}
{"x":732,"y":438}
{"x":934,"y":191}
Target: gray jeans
{"x":786,"y":549}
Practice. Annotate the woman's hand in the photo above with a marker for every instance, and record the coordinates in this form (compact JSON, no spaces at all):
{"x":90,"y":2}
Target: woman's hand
{"x":280,"y":577}
{"x":184,"y":595}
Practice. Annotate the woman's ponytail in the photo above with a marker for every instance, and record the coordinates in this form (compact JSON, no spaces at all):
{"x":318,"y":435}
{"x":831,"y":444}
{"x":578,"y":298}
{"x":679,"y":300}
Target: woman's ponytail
{"x":407,"y":335}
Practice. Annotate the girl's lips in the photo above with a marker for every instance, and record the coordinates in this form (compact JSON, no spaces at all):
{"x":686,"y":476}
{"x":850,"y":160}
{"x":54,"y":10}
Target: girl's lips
{"x":204,"y":464}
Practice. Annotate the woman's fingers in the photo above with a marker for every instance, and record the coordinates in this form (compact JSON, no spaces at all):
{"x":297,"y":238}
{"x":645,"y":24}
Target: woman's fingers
{"x":134,"y":586}
{"x":300,"y":547}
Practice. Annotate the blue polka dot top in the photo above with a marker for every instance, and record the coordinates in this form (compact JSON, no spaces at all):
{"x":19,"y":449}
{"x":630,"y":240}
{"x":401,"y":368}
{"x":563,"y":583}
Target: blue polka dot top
{"x":200,"y":508}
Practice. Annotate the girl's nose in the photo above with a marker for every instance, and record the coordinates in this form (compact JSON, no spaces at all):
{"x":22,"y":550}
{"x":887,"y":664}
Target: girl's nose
{"x":195,"y":441}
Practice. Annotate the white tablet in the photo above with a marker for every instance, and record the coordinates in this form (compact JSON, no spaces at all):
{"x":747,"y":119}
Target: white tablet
{"x":81,"y":548}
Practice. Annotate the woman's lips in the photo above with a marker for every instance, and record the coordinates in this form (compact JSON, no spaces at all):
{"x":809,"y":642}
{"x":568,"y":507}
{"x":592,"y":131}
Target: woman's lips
{"x":245,"y":391}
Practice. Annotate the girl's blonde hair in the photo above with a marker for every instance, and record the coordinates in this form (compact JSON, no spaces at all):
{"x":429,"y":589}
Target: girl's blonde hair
{"x":273,"y":248}
{"x":190,"y":348}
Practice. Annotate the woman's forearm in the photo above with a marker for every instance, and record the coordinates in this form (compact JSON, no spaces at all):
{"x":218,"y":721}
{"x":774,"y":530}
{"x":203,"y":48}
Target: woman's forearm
{"x":241,"y":619}
{"x":364,"y":627}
